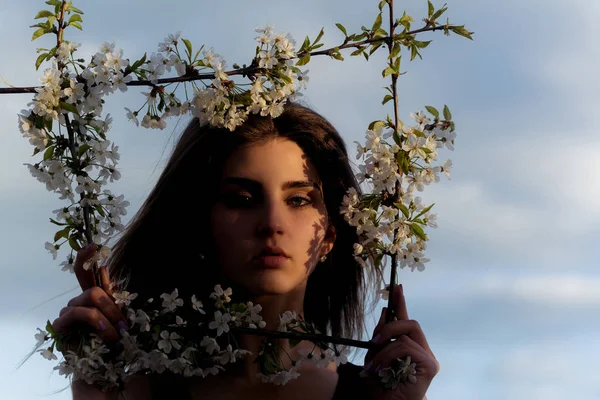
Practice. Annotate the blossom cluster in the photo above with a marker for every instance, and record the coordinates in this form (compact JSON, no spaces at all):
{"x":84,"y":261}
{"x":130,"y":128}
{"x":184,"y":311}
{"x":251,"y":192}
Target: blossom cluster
{"x":400,"y":221}
{"x":160,"y":339}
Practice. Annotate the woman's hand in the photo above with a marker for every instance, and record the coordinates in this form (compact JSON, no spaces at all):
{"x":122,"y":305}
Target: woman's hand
{"x":409,"y":340}
{"x":93,"y":309}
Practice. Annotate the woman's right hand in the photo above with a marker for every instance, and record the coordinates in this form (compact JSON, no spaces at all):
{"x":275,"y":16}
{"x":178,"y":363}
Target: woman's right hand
{"x":95,"y":308}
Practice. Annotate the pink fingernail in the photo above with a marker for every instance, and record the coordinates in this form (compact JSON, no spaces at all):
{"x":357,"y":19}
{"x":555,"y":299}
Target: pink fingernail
{"x":376,"y":338}
{"x":102,"y":326}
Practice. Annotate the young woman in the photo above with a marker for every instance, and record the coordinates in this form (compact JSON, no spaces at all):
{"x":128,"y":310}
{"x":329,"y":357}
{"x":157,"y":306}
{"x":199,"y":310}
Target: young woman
{"x":273,"y":186}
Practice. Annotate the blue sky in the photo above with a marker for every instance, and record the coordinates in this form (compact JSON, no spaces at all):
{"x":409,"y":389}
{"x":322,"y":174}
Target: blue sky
{"x":510,"y":299}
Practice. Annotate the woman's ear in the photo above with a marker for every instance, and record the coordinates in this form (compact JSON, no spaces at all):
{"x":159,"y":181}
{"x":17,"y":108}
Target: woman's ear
{"x":330,"y":236}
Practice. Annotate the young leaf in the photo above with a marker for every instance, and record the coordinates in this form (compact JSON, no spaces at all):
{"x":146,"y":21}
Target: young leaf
{"x":76,"y":25}
{"x":387,"y":71}
{"x":447,"y":113}
{"x":188,"y":46}
{"x":402,"y":208}
{"x":341,"y":28}
{"x":304,"y":60}
{"x":38,"y":33}
{"x":375,"y":125}
{"x":460,"y":30}
{"x":320,"y":35}
{"x":74,"y":9}
{"x":377,"y":23}
{"x":44,"y":14}
{"x":40,"y":60}
{"x":387,"y":98}
{"x":439,"y":13}
{"x":417,"y":230}
{"x":431,"y":9}
{"x":75,"y":18}
{"x":382,"y":3}
{"x":48,"y":155}
{"x":433,"y":111}
{"x":63,"y":233}
{"x":69,"y":107}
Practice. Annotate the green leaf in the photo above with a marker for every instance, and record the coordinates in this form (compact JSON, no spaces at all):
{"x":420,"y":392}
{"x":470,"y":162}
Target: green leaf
{"x":320,"y":35}
{"x":304,"y":60}
{"x":48,"y":155}
{"x":425,"y":210}
{"x":40,"y":60}
{"x":44,"y":14}
{"x":53,"y":2}
{"x":83,"y":149}
{"x":375,"y":125}
{"x":382,"y":4}
{"x":439,"y":13}
{"x":305,"y":44}
{"x":73,"y":243}
{"x":462,"y":31}
{"x":387,"y":98}
{"x":377,"y":23}
{"x":138,"y":63}
{"x":75,"y":18}
{"x":395,"y":50}
{"x":431,"y":9}
{"x":63,"y":233}
{"x":417,"y":230}
{"x":403,"y":208}
{"x":414,"y":52}
{"x":74,"y":9}
{"x":387,"y":71}
{"x":69,"y":107}
{"x":358,"y":51}
{"x":447,"y":113}
{"x":38,"y":33}
{"x":50,"y":328}
{"x":421,"y":45}
{"x":188,"y":46}
{"x":341,"y":28}
{"x":76,"y":25}
{"x":433,"y":111}
{"x":374,"y":47}
{"x":405,"y":21}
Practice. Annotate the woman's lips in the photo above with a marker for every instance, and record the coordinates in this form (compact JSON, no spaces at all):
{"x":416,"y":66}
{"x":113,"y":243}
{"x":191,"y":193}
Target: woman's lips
{"x":270,"y":261}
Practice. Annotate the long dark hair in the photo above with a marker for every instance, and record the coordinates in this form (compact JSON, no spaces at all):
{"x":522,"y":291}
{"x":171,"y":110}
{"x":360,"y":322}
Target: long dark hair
{"x":159,"y":250}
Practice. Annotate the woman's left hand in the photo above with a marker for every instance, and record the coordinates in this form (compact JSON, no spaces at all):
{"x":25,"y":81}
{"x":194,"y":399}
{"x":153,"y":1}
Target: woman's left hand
{"x":409,"y":341}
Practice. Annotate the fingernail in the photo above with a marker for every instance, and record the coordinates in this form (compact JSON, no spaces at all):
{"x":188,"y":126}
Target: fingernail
{"x":401,"y":290}
{"x":367,"y":367}
{"x":121,"y":325}
{"x":102,"y":326}
{"x":376,"y":338}
{"x":377,"y":368}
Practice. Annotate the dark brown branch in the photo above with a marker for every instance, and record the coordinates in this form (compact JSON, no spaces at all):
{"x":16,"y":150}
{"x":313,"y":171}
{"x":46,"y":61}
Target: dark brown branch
{"x":310,"y":337}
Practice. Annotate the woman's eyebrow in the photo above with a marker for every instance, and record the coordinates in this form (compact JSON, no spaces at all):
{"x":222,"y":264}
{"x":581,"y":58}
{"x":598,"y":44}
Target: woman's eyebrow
{"x":247,"y":182}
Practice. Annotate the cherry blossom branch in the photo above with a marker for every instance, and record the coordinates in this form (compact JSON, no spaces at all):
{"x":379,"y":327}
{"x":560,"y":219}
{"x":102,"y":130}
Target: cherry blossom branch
{"x":391,"y":311}
{"x":247,"y":70}
{"x":307,"y":336}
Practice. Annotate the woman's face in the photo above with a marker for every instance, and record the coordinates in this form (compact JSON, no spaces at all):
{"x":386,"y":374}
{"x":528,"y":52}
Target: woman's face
{"x":255,"y":208}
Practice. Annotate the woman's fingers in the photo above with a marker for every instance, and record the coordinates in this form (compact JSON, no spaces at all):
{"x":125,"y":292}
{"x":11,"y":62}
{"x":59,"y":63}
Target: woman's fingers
{"x":89,"y":316}
{"x":400,"y":303}
{"x":98,"y":298}
{"x":85,"y":277}
{"x":410,"y":328}
{"x":105,"y":280}
{"x":404,"y":346}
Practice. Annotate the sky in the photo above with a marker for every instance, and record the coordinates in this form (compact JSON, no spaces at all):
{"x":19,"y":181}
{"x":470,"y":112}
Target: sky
{"x":510,"y":299}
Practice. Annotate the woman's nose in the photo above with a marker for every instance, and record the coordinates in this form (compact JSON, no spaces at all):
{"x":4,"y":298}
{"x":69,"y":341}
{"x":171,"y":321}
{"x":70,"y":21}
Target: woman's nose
{"x":271,"y":218}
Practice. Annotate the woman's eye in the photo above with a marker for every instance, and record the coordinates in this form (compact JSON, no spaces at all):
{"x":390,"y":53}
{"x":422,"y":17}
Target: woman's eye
{"x":241,"y":200}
